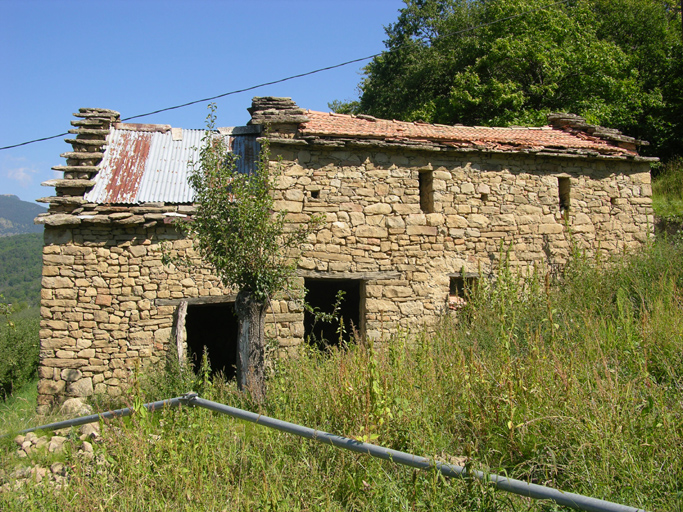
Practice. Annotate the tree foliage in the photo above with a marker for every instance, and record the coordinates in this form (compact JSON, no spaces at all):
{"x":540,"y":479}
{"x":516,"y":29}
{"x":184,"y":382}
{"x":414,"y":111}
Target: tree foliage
{"x":615,"y":62}
{"x":236,"y":229}
{"x":19,"y":347}
{"x":253,"y":248}
{"x":21,"y":262}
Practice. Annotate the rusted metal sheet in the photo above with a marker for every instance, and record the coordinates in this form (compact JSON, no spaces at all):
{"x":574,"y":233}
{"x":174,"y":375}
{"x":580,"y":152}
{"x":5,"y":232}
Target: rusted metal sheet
{"x":122,"y":167}
{"x":148,"y":165}
{"x":167,"y":168}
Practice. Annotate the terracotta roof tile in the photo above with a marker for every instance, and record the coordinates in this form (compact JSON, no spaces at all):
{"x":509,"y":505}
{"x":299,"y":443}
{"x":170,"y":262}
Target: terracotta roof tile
{"x":505,"y":139}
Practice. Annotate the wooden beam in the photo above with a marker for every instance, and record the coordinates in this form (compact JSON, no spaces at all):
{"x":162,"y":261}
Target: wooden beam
{"x":466,"y":274}
{"x":211,"y":299}
{"x":359,"y":276}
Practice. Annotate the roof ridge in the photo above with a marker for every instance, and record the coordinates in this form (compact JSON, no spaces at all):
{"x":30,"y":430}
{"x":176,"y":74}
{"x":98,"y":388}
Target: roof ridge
{"x":143,"y":127}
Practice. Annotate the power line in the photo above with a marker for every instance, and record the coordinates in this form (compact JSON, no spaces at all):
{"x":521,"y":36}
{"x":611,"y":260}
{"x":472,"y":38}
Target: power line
{"x":300,"y":75}
{"x":254,"y":87}
{"x":34,"y":140}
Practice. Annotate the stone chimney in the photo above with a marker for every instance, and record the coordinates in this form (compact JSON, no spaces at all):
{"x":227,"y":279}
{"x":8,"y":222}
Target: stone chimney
{"x":91,"y":130}
{"x":281,"y":115}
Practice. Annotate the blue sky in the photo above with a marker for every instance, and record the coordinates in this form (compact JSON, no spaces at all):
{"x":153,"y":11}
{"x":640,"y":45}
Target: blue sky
{"x":139,"y":56}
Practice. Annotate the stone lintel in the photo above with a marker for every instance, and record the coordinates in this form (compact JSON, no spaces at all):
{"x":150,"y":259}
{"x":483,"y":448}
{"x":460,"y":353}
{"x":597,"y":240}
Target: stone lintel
{"x":361,"y":276}
{"x":213,"y":299}
{"x":465,"y":274}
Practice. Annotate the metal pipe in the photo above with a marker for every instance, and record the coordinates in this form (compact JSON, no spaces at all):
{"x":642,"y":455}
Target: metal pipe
{"x":118,"y":413}
{"x":535,"y":491}
{"x":571,"y":500}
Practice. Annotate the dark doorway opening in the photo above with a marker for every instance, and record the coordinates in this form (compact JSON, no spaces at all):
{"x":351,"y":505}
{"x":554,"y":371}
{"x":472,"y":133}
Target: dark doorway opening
{"x":215,"y":327}
{"x":325,"y":327}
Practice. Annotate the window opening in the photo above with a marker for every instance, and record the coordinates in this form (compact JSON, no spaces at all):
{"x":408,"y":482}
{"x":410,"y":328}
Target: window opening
{"x":323,"y":325}
{"x":484,"y":197}
{"x":215,"y":327}
{"x":426,"y":182}
{"x":315,"y":194}
{"x":459,"y":289}
{"x":564,"y":192}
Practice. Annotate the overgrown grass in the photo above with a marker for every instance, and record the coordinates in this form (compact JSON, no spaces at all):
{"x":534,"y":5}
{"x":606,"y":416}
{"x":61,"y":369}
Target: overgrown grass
{"x":19,"y":410}
{"x":576,"y":384}
{"x":667,"y":190}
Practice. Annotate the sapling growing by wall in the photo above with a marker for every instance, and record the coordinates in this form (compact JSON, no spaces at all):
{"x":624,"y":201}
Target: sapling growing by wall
{"x":252,"y":248}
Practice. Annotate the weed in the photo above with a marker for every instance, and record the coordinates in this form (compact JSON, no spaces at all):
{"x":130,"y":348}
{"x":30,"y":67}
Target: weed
{"x":572,"y":381}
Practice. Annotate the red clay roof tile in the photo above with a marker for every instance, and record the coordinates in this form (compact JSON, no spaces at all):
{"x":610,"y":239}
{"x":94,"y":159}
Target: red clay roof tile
{"x":505,"y":139}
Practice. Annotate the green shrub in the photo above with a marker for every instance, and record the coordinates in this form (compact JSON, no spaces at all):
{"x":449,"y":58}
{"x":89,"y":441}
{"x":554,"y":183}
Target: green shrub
{"x":19,"y":348}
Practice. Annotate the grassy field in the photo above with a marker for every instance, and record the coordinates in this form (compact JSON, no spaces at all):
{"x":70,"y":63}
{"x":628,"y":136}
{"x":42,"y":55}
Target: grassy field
{"x":575,"y":383}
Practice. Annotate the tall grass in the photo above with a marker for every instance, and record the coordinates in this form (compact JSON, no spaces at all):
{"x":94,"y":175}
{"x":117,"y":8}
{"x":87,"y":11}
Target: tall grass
{"x":575,"y":383}
{"x":667,"y":190}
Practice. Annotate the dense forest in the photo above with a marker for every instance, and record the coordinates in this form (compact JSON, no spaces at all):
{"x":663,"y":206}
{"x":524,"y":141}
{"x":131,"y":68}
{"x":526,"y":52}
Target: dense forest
{"x":21,"y":269}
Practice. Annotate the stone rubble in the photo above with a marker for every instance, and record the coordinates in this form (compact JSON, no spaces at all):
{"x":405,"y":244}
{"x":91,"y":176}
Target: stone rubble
{"x":57,"y":475}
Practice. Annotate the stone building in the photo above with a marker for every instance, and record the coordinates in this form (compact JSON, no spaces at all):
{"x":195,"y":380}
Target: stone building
{"x":412,"y":211}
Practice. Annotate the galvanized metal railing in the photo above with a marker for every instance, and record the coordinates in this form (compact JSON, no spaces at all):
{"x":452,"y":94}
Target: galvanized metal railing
{"x":535,"y":491}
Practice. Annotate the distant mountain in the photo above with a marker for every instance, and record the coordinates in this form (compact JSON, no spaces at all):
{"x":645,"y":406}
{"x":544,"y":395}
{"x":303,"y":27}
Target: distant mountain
{"x":16,"y":216}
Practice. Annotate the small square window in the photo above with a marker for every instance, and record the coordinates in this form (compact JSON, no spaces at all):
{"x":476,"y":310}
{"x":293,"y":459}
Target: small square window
{"x":460,"y":288}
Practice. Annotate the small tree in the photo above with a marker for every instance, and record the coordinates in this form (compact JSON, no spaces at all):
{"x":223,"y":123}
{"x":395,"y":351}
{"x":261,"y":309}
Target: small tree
{"x":253,"y":249}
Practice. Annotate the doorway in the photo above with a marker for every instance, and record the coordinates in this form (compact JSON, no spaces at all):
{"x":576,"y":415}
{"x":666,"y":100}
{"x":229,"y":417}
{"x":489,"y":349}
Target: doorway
{"x":215,"y":327}
{"x":328,"y":319}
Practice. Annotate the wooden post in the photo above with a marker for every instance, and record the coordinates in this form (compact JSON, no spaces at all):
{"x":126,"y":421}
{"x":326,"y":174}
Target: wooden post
{"x":181,"y":333}
{"x":251,"y":348}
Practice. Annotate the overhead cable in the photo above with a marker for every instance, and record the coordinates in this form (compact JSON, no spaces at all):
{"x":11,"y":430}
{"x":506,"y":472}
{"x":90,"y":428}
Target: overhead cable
{"x":300,"y":75}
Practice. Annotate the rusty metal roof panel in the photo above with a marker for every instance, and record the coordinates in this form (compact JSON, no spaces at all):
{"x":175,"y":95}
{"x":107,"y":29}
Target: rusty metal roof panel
{"x":122,"y":167}
{"x":167,"y":168}
{"x":151,"y":163}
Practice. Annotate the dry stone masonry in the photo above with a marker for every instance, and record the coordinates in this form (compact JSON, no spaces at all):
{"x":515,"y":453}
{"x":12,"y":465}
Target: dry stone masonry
{"x":410,"y":209}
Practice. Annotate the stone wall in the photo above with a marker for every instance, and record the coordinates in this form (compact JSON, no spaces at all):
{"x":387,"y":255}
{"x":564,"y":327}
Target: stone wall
{"x":403,"y":222}
{"x":107,"y":305}
{"x":481,"y":204}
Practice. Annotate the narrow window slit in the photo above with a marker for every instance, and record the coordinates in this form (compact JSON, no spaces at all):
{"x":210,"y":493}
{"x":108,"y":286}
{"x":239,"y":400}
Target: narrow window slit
{"x":426,"y":182}
{"x":563,"y":186}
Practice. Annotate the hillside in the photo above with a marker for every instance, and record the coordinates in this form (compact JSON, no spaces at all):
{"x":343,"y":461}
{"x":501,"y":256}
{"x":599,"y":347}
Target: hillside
{"x":16,"y":216}
{"x":21,"y":267}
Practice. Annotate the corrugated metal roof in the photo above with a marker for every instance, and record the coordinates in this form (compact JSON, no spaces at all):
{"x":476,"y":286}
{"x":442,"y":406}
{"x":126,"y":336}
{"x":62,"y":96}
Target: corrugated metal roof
{"x":151,"y":163}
